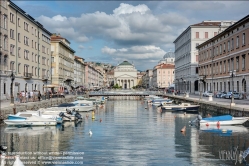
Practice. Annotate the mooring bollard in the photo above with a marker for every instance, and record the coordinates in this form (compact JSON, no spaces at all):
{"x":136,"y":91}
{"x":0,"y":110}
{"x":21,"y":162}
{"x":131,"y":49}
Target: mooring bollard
{"x":14,"y":111}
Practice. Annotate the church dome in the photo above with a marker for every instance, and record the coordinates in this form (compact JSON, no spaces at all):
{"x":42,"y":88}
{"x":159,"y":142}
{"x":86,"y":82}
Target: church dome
{"x":169,"y":55}
{"x":125,"y":63}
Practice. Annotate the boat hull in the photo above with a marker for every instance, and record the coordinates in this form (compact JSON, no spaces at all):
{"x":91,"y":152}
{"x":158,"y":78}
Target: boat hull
{"x":181,"y":108}
{"x":30,"y":123}
{"x":234,"y":121}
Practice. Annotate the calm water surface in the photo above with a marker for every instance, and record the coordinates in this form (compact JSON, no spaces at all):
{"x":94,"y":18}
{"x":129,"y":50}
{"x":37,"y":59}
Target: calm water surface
{"x":130,"y":133}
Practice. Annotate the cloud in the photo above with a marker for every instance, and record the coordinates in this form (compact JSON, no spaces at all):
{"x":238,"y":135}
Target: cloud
{"x":81,"y":47}
{"x":149,"y":52}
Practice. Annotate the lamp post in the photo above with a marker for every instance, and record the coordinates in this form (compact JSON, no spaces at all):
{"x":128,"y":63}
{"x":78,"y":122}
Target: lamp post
{"x":12,"y":77}
{"x":232,"y":74}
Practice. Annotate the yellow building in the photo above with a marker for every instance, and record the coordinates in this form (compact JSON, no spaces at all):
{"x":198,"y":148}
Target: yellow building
{"x":62,"y":62}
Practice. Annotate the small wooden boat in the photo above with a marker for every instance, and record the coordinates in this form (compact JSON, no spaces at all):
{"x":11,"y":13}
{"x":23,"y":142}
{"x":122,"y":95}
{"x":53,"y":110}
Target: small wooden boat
{"x":186,"y":107}
{"x":223,"y":120}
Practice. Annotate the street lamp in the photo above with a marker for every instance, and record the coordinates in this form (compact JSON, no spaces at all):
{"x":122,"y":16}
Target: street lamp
{"x":12,"y":77}
{"x":232,"y":74}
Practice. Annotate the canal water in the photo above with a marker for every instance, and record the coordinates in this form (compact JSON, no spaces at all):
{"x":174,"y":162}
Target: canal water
{"x":127,"y":132}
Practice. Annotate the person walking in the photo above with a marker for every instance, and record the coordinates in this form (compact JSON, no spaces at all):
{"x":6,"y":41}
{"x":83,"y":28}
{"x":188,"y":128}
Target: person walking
{"x":39,"y":96}
{"x":27,"y":96}
{"x":31,"y":96}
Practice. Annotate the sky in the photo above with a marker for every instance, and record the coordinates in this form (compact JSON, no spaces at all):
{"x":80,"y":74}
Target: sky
{"x":141,"y":32}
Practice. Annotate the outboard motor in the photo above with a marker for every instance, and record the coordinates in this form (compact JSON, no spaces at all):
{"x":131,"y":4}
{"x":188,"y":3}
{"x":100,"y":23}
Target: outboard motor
{"x":2,"y":149}
{"x":78,"y":116}
{"x":199,"y":117}
{"x":61,"y":114}
{"x":196,"y":120}
{"x":69,"y":111}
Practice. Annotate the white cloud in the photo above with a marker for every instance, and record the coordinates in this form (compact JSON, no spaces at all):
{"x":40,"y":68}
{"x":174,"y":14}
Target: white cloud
{"x":81,"y":47}
{"x":128,"y":9}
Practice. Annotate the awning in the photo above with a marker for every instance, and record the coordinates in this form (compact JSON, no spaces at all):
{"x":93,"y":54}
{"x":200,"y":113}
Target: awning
{"x":51,"y":86}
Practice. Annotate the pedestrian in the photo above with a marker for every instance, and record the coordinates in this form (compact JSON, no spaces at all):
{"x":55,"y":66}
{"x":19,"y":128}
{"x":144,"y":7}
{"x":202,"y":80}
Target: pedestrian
{"x":39,"y":96}
{"x":23,"y":97}
{"x":31,"y":96}
{"x":27,"y":96}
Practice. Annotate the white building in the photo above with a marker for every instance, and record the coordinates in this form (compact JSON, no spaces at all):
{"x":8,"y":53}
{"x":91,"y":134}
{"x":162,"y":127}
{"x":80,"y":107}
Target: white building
{"x":125,"y":75}
{"x":186,"y":54}
{"x":168,"y":58}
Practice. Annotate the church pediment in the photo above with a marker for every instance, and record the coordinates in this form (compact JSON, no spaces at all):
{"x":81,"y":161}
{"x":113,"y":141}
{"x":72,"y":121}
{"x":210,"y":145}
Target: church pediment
{"x":125,"y":76}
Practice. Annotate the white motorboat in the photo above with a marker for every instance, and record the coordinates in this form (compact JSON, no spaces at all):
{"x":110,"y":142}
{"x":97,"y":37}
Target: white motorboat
{"x":224,"y":129}
{"x":28,"y":113}
{"x":31,"y":120}
{"x":187,"y":107}
{"x":220,"y":120}
{"x":79,"y":105}
{"x":161,"y":101}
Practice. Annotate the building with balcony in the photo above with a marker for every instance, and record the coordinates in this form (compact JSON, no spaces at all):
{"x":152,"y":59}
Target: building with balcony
{"x":163,"y":75}
{"x":26,"y":51}
{"x":125,"y":75}
{"x":62,"y":62}
{"x":186,"y":54}
{"x":224,"y":59}
{"x":79,"y":72}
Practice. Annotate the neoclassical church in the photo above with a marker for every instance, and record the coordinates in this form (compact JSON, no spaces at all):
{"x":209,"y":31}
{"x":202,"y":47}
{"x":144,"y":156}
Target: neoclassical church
{"x":125,"y":75}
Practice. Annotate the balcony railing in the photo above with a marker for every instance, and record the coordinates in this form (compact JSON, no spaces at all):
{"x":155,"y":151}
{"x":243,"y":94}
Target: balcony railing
{"x":44,"y":77}
{"x":27,"y":75}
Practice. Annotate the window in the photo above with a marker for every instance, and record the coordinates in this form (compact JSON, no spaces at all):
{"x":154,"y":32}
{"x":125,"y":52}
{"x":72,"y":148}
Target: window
{"x":43,"y":60}
{"x":217,"y":51}
{"x":26,"y":40}
{"x":12,"y":17}
{"x":224,"y":64}
{"x":237,"y":63}
{"x":5,"y":21}
{"x":220,"y":49}
{"x":228,"y":45}
{"x":232,"y":44}
{"x":32,"y":44}
{"x":19,"y":53}
{"x":228,"y":65}
{"x":32,"y":57}
{"x":243,"y":62}
{"x":19,"y":64}
{"x":11,"y":33}
{"x":26,"y":54}
{"x":52,"y":59}
{"x":26,"y":26}
{"x":224,"y":47}
{"x":215,"y":33}
{"x":18,"y":22}
{"x":18,"y":37}
{"x":237,"y":42}
{"x":244,"y":39}
{"x":197,"y":35}
{"x":12,"y":65}
{"x":32,"y":30}
{"x":197,"y":44}
{"x":206,"y":35}
{"x":5,"y":42}
{"x":4,"y":88}
{"x":220,"y":67}
{"x":232,"y":62}
{"x":12,"y":49}
{"x":35,"y":57}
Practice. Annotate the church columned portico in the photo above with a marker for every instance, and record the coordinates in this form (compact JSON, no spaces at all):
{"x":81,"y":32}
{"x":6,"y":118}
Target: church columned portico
{"x":126,"y":83}
{"x":125,"y":75}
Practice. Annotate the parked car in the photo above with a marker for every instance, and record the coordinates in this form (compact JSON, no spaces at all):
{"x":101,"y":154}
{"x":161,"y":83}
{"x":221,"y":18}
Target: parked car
{"x":237,"y":95}
{"x":228,"y":95}
{"x":218,"y":95}
{"x":208,"y":93}
{"x":223,"y":95}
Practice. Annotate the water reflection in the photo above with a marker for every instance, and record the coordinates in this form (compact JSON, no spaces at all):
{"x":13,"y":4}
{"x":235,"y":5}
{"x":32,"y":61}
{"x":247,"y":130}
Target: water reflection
{"x":131,"y":133}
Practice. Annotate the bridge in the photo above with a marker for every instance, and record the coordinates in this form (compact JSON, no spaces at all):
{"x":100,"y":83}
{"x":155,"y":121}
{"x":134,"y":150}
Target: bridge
{"x":125,"y":93}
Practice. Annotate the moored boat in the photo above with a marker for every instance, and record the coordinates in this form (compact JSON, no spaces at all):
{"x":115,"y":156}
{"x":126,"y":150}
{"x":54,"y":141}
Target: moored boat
{"x":187,"y":107}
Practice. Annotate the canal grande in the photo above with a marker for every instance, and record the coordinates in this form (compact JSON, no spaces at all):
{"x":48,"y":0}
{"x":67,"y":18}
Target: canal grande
{"x":126,"y":132}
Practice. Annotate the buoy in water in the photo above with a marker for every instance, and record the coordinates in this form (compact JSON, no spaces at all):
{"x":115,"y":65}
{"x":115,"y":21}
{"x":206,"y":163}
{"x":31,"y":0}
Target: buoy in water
{"x":183,"y":129}
{"x":100,"y":120}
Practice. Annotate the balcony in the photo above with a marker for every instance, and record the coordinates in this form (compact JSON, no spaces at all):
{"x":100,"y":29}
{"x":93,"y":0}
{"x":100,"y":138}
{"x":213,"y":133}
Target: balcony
{"x":27,"y":75}
{"x":44,"y":77}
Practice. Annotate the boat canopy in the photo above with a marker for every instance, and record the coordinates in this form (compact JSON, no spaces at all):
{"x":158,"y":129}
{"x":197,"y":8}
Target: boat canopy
{"x":219,"y":118}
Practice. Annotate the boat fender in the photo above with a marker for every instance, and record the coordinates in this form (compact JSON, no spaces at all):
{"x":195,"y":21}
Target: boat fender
{"x":207,"y":124}
{"x":218,"y":123}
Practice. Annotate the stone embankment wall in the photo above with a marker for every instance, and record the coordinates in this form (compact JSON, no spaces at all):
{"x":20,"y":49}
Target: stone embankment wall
{"x":4,"y":112}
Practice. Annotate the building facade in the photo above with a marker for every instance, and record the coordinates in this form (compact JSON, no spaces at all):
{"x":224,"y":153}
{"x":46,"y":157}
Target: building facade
{"x":110,"y":78}
{"x":224,"y":59}
{"x":163,"y":75}
{"x":62,"y":63}
{"x":28,"y":57}
{"x":186,"y":54}
{"x":79,"y":72}
{"x":147,"y":78}
{"x":125,"y":75}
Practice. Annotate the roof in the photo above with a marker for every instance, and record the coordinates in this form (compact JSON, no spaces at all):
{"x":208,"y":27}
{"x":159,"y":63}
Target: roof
{"x":169,"y":55}
{"x":164,"y":66}
{"x":203,"y":23}
{"x":227,"y":30}
{"x":125,"y":63}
